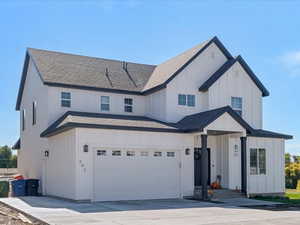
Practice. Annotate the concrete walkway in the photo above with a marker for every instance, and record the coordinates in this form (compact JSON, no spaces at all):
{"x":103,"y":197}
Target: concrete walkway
{"x":151,"y":212}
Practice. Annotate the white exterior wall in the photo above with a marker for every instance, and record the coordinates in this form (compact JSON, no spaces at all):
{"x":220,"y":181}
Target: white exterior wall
{"x":59,"y":167}
{"x":188,"y":82}
{"x":274,"y":180}
{"x":237,"y":83}
{"x":89,"y":101}
{"x":155,"y":105}
{"x":32,"y":146}
{"x":130,"y":140}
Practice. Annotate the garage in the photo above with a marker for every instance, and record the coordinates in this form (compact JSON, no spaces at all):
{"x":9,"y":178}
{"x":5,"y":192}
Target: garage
{"x":126,"y":174}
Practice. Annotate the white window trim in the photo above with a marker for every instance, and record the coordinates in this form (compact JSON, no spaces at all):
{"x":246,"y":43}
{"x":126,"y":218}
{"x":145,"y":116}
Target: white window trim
{"x":102,"y":110}
{"x":236,"y":108}
{"x":65,"y":99}
{"x":128,"y":105}
{"x":258,"y":162}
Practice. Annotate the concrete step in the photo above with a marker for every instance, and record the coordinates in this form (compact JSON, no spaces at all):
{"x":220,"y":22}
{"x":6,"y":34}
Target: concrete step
{"x":218,"y":194}
{"x":226,"y":194}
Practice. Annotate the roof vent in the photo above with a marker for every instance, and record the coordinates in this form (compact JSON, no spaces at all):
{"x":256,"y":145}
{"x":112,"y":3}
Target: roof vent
{"x":124,"y":65}
{"x":107,"y":76}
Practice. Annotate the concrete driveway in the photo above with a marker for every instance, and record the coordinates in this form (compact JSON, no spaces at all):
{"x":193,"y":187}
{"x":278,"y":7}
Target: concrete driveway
{"x":151,"y":212}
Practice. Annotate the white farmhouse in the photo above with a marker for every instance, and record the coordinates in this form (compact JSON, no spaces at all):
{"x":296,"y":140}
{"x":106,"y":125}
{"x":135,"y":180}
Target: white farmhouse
{"x":97,"y":129}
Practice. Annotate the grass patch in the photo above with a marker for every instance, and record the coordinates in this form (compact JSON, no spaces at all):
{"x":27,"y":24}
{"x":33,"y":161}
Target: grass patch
{"x":292,"y":197}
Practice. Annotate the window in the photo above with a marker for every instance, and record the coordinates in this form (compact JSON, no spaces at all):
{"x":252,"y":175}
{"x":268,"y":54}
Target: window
{"x":157,"y":154}
{"x":181,"y":99}
{"x":191,"y":100}
{"x":130,"y":153}
{"x":116,"y":153}
{"x":101,"y":152}
{"x":257,"y":161}
{"x":170,"y":154}
{"x":237,"y":104}
{"x":144,"y":153}
{"x":128,"y":102}
{"x":33,"y":113}
{"x":104,"y":103}
{"x":253,"y":161}
{"x":23,"y":119}
{"x":188,"y":100}
{"x":66,"y":99}
{"x":262,"y":160}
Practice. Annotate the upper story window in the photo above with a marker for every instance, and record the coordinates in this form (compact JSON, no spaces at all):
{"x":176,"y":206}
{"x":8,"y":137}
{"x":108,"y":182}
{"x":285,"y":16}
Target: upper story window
{"x":191,"y":100}
{"x":188,"y":100}
{"x":33,"y":113}
{"x":128,"y":104}
{"x":23,"y":119}
{"x":257,"y":161}
{"x":65,"y":99}
{"x":104,"y":103}
{"x":237,"y":105}
{"x":181,"y":99}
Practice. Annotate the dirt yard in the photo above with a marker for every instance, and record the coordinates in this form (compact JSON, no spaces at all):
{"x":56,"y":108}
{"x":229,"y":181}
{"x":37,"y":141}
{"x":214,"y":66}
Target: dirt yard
{"x":9,"y":216}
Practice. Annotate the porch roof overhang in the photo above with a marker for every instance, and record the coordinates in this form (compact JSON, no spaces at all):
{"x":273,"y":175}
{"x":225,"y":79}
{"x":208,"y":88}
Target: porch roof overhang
{"x":201,"y":122}
{"x":212,"y":121}
{"x":72,"y":119}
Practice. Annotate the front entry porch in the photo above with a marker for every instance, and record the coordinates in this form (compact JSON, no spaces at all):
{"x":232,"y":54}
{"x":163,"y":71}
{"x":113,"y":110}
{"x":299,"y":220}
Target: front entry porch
{"x":219,"y":158}
{"x":222,"y":147}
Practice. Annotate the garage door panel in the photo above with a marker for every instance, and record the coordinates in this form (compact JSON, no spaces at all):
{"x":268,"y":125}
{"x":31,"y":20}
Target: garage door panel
{"x":136,"y":177}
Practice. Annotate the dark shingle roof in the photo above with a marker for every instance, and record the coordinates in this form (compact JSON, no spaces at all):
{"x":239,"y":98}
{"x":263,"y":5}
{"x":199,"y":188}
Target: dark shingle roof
{"x":69,"y":69}
{"x":225,"y":67}
{"x":198,"y":121}
{"x":17,"y":145}
{"x":90,"y":73}
{"x":266,"y":133}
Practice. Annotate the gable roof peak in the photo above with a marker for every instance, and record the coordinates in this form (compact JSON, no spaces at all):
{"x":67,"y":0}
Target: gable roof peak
{"x":225,"y":67}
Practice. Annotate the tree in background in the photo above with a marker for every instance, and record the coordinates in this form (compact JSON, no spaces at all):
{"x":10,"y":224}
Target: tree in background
{"x":287,"y":158}
{"x":7,"y":160}
{"x":292,"y":171}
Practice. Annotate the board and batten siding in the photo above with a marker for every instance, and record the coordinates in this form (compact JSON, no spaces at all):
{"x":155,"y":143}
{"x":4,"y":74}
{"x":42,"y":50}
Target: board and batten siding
{"x":155,"y":105}
{"x":274,"y":180}
{"x":189,"y":80}
{"x":237,"y":83}
{"x":60,"y":165}
{"x":32,"y":146}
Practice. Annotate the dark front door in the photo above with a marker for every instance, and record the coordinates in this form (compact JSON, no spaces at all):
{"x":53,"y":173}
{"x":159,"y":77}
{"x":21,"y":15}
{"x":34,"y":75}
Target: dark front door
{"x":197,"y":166}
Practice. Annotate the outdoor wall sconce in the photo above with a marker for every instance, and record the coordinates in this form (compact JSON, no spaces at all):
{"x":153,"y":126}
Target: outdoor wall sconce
{"x":46,"y":153}
{"x":187,"y":151}
{"x":85,"y":148}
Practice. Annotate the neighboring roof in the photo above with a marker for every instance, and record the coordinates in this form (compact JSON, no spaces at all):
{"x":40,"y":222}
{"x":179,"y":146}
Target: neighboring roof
{"x":90,"y":73}
{"x":73,"y":119}
{"x":198,"y":121}
{"x":225,"y":67}
{"x":17,"y":145}
{"x":269,"y":134}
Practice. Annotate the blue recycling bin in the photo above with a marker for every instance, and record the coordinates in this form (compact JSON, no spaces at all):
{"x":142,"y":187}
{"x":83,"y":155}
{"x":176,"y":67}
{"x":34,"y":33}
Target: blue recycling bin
{"x":18,"y":187}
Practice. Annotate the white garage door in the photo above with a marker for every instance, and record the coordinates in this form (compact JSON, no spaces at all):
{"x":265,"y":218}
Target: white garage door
{"x":132,"y":175}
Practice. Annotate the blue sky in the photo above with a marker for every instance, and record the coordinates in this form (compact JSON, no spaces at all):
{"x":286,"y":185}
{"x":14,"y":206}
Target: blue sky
{"x":265,"y":33}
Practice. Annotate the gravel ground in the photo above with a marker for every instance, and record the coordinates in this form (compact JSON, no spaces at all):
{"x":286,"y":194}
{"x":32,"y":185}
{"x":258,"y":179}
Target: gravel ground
{"x":9,"y":216}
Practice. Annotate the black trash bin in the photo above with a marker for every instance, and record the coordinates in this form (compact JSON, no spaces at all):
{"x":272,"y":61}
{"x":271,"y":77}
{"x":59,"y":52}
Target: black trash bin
{"x":32,"y":186}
